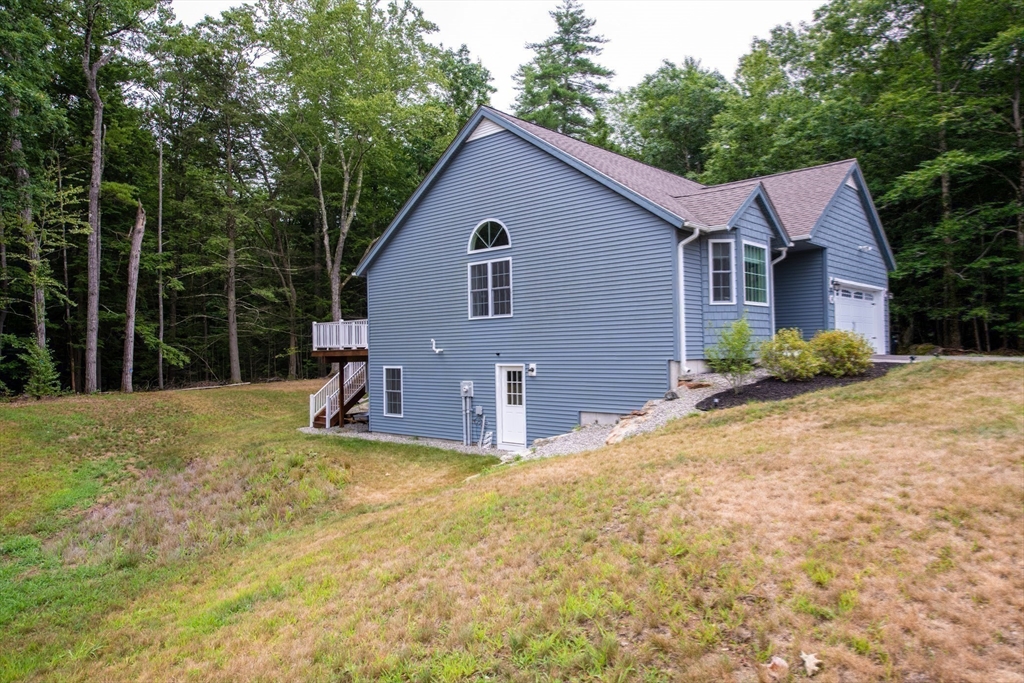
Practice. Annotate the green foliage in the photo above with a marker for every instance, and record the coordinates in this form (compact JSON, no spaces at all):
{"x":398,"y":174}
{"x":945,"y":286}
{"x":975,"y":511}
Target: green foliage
{"x":467,"y":84}
{"x":42,"y":376}
{"x":667,"y":118}
{"x":562,"y":87}
{"x":787,"y":356}
{"x":842,"y":352}
{"x":921,"y":95}
{"x":733,"y":354}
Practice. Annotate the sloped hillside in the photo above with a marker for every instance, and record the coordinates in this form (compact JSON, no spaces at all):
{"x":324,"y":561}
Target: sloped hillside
{"x":879,"y":526}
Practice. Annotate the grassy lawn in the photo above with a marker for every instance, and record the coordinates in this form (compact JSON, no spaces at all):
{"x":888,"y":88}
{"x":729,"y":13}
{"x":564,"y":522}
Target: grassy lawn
{"x":198,"y":536}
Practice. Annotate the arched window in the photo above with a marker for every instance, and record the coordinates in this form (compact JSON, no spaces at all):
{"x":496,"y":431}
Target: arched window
{"x":489,"y":235}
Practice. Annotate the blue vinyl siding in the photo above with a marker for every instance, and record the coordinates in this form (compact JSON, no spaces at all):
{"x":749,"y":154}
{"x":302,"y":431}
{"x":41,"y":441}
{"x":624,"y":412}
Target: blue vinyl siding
{"x":753,"y":227}
{"x":593,"y":294}
{"x":800,"y":292}
{"x":842,"y":230}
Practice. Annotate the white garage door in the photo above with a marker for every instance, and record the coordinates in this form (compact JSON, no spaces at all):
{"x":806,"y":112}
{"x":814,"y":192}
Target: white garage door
{"x":860,"y":310}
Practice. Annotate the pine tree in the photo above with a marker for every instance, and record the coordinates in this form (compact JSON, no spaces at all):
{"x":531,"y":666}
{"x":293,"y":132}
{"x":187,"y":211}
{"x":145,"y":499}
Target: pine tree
{"x":563,"y":88}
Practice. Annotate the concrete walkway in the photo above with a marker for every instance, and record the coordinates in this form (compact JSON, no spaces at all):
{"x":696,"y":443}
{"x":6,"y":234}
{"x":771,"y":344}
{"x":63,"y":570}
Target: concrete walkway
{"x":889,"y":358}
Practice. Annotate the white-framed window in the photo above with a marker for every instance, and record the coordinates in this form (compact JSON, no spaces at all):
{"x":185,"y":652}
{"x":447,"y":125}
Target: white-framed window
{"x":755,"y":274}
{"x":392,"y":391}
{"x":720,"y":266}
{"x":489,"y":235}
{"x":490,"y":289}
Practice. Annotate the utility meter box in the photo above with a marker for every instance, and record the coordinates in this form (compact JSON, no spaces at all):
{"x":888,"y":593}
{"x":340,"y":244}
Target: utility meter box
{"x":466,"y":389}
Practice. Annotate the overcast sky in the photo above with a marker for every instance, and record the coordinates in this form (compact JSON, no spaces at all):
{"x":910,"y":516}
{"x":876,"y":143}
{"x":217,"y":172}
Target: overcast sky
{"x":641,"y":33}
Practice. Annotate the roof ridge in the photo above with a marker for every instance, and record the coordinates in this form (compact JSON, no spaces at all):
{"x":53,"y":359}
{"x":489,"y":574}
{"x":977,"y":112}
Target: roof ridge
{"x":709,"y":189}
{"x":774,"y":175}
{"x":597,"y":147}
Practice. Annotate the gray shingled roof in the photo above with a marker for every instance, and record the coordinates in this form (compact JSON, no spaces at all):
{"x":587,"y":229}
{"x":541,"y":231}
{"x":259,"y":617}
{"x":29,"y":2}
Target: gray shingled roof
{"x":799,"y":197}
{"x":660,"y":187}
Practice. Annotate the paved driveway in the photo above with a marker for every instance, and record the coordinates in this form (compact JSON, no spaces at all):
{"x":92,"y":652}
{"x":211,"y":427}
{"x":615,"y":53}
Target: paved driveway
{"x":891,"y":358}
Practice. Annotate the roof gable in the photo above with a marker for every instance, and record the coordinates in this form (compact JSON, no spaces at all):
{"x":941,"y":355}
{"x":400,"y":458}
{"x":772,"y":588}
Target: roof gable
{"x":794,"y":201}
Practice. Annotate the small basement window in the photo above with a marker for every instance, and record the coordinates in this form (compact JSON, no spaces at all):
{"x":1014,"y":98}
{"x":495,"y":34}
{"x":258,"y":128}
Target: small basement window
{"x":489,"y":235}
{"x":755,"y":274}
{"x":490,"y":289}
{"x":393,"y":391}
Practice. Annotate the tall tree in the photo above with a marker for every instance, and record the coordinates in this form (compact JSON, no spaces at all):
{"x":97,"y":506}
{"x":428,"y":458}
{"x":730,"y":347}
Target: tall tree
{"x":667,"y":117}
{"x":465,"y":84}
{"x":134,"y":255}
{"x":107,"y":26}
{"x":25,"y":58}
{"x":344,"y":73}
{"x":562,"y":87}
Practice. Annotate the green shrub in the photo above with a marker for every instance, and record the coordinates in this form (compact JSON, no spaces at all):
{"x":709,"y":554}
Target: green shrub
{"x":733,"y":355}
{"x":787,"y":356}
{"x":43,"y":378}
{"x":842,"y":352}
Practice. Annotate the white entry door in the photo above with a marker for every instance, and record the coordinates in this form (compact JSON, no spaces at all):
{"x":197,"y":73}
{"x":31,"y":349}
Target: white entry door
{"x":860,"y":310}
{"x":511,"y":405}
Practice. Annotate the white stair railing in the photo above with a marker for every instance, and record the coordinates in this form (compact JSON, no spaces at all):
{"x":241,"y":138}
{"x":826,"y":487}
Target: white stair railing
{"x":343,"y":334}
{"x":320,"y":400}
{"x":354,"y":381}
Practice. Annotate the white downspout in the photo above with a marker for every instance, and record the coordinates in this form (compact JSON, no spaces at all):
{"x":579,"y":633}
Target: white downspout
{"x":682,"y":298}
{"x":772,"y":309}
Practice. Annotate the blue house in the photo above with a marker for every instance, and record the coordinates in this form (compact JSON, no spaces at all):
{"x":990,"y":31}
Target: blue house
{"x":534,"y":282}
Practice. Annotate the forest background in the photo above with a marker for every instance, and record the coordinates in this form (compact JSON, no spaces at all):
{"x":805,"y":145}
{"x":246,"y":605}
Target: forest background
{"x":178,"y":203}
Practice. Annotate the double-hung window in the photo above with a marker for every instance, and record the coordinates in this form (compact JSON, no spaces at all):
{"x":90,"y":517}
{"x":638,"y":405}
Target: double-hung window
{"x":721,"y":257}
{"x":490,"y":289}
{"x":755,"y":274}
{"x":392,"y":391}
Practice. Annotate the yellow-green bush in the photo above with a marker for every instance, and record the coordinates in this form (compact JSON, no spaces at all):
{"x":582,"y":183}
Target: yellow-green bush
{"x":842,"y":352}
{"x":787,"y":356}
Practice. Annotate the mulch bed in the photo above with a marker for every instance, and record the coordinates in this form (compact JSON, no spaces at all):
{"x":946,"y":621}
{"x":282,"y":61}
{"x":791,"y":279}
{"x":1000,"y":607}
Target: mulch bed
{"x":771,"y":389}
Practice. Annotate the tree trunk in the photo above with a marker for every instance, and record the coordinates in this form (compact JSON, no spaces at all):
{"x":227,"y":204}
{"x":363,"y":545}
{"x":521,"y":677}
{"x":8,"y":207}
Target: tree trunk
{"x":160,"y":265}
{"x":134,"y":256}
{"x":236,"y":370}
{"x":4,"y":284}
{"x":31,"y":233}
{"x":92,"y":308}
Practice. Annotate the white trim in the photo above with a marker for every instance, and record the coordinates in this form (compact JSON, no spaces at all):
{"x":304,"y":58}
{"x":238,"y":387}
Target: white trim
{"x":799,"y":237}
{"x":483,"y":129}
{"x":490,"y":287}
{"x":498,"y":388}
{"x":469,"y":244}
{"x":401,"y":390}
{"x":711,"y":273}
{"x":858,"y":285}
{"x":767,"y":277}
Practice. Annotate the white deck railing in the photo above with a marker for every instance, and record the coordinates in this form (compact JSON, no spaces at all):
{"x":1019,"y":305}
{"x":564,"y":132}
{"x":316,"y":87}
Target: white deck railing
{"x":343,"y":334}
{"x":327,"y":397}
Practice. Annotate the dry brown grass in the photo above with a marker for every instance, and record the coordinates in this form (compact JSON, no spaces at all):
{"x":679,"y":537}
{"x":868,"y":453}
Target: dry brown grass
{"x":880,"y":525}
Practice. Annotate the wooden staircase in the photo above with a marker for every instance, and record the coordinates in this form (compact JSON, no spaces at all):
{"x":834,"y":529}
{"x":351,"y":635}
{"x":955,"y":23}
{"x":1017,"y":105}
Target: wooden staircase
{"x":341,"y":393}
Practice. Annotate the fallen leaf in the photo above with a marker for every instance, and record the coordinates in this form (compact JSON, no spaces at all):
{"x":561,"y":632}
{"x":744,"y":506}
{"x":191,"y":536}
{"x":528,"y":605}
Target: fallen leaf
{"x":811,"y":663}
{"x":777,"y":669}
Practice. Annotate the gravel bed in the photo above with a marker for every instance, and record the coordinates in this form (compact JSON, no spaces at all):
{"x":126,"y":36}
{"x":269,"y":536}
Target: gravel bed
{"x":358,"y":431}
{"x":583,"y":439}
{"x":660,"y":412}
